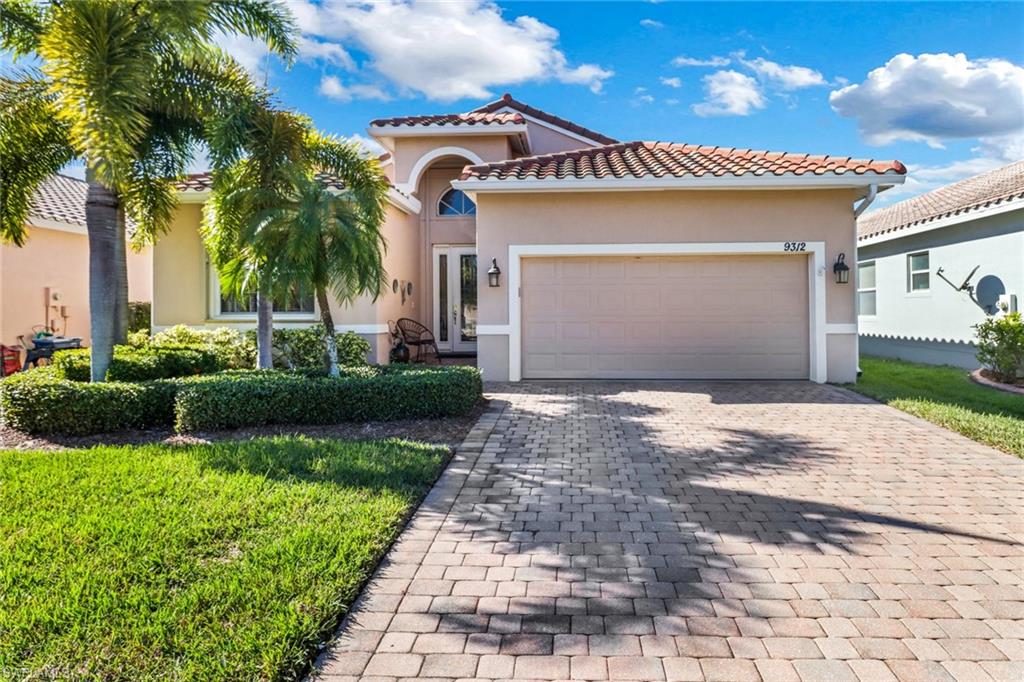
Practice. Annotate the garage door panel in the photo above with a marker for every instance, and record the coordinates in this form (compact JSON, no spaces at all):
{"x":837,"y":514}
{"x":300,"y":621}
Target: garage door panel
{"x":699,"y":317}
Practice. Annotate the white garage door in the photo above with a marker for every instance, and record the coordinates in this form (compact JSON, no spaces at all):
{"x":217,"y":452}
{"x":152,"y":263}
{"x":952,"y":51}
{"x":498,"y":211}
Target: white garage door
{"x":680,"y":317}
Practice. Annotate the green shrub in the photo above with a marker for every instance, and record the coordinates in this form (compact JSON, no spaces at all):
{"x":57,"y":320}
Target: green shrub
{"x":140,"y":363}
{"x":139,"y":315}
{"x":39,"y":402}
{"x":361,"y":394}
{"x":306,"y":348}
{"x":1001,"y":346}
{"x":235,"y":349}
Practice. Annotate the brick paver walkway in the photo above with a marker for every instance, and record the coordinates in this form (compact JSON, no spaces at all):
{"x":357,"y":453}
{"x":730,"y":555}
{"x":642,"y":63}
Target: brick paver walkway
{"x":719,"y":531}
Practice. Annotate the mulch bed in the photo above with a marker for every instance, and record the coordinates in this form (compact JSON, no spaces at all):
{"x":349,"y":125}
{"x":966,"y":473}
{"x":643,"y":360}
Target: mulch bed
{"x":450,"y":431}
{"x":986,"y":377}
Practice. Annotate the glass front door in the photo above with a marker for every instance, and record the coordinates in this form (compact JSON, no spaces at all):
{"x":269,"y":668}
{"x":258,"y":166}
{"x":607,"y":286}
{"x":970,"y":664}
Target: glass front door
{"x":455,"y":305}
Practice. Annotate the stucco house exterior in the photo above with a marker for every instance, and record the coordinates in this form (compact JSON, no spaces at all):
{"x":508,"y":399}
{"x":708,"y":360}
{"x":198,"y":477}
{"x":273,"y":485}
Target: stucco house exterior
{"x":616,"y":259}
{"x":913,"y":258}
{"x":46,"y":281}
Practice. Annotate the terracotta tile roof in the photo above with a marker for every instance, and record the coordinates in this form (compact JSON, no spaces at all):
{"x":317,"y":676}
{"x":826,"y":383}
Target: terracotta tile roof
{"x":202,"y":182}
{"x":988,"y":189}
{"x":510,"y":102}
{"x":660,"y":159}
{"x":472,"y":118}
{"x":60,"y":198}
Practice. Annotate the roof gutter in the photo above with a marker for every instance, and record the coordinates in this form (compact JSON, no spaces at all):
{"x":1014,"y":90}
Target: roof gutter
{"x":866,"y":201}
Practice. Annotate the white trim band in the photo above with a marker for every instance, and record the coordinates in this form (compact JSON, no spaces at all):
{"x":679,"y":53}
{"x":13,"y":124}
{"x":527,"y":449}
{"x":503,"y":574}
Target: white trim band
{"x":815,"y":252}
{"x":493,"y":330}
{"x":841,"y":328}
{"x":651,"y":183}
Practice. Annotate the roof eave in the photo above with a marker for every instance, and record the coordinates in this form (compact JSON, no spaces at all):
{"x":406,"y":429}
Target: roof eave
{"x":386,"y":134}
{"x":705,"y":182}
{"x":963,"y":216}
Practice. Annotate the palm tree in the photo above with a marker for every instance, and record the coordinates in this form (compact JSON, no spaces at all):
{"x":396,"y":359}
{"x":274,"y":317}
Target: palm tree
{"x":131,"y":88}
{"x":238,"y":221}
{"x":301,"y":211}
{"x":335,"y":241}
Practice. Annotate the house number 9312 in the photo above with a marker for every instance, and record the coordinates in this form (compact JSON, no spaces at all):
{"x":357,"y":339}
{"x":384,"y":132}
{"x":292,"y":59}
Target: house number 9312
{"x":795,"y":246}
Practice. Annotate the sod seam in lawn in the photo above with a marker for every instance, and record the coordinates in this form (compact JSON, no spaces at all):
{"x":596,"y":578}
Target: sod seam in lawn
{"x":947,"y":397}
{"x":227,"y":561}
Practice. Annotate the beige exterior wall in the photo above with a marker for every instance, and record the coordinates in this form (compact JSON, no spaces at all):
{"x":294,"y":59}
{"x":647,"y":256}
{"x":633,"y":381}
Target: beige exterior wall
{"x":56,"y":260}
{"x":182,"y":285}
{"x":545,"y":140}
{"x":409,"y":150}
{"x":665,"y":217}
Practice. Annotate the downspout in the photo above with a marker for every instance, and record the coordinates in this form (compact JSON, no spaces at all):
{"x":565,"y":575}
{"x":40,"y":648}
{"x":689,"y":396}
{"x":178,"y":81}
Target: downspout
{"x":857,"y":210}
{"x":866,"y":201}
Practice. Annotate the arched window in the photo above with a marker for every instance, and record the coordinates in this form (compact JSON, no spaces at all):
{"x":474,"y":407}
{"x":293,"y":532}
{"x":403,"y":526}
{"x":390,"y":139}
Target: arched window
{"x":455,"y":202}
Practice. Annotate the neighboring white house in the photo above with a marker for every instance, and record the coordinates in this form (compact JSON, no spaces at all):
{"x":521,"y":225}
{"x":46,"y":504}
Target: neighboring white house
{"x":931,"y":267}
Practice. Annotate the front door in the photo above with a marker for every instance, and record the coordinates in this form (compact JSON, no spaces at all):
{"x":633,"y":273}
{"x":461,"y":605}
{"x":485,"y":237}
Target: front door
{"x":455,"y":298}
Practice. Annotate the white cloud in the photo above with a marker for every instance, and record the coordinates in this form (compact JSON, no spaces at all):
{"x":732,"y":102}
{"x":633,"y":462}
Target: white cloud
{"x":651,"y":23}
{"x":331,"y":53}
{"x":332,"y":87}
{"x":672,"y":101}
{"x":253,"y":55}
{"x":729,"y":93}
{"x":371,"y":145}
{"x":446,"y":50}
{"x":641,"y":96}
{"x":785,"y":77}
{"x":673,"y":82}
{"x":691,"y":61}
{"x":937,"y":97}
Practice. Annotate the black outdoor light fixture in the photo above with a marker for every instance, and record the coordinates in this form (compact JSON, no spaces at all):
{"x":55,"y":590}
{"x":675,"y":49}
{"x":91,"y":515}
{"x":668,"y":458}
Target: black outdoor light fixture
{"x":494,"y":273}
{"x":841,"y":270}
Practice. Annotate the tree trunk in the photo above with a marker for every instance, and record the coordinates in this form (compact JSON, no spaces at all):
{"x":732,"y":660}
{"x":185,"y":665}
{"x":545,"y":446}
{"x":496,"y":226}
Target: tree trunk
{"x":264,"y":330}
{"x":329,"y":334}
{"x":102,"y":225}
{"x":121,"y":263}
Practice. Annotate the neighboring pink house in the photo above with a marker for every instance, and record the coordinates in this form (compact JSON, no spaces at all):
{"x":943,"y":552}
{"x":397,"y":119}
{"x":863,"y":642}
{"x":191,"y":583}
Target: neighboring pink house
{"x":616,"y":259}
{"x":45,"y":283}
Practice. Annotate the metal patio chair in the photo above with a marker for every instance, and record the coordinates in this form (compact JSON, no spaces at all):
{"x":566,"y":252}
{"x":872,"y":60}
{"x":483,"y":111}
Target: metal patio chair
{"x":420,"y":338}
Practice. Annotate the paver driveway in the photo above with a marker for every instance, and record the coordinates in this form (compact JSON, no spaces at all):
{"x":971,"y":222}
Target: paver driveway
{"x":691,"y":531}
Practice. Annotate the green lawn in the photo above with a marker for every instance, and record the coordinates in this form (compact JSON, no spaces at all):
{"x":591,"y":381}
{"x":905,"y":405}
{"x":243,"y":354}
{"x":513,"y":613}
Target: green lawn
{"x":947,"y":397}
{"x":228,"y":561}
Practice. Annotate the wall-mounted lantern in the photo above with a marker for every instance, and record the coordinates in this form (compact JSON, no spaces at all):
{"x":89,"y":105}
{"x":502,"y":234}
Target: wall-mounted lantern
{"x":841,"y":270}
{"x":494,"y":274}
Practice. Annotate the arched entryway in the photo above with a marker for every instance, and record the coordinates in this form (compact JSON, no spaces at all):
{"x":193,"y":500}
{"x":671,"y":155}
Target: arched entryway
{"x":448,"y":239}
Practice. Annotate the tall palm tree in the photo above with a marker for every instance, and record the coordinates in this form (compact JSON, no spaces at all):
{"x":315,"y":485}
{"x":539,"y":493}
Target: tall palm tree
{"x":130,"y":88}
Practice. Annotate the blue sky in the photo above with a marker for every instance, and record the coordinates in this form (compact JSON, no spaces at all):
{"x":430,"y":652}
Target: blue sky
{"x":761,"y":75}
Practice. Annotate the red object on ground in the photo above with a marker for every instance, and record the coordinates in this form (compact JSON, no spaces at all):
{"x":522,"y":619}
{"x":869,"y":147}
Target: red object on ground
{"x":10,"y":360}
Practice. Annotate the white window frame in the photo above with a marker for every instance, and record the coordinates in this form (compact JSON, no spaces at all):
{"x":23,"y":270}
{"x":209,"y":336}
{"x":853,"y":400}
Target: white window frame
{"x":911,"y":272}
{"x":873,"y":289}
{"x":437,"y":208}
{"x":214,"y":312}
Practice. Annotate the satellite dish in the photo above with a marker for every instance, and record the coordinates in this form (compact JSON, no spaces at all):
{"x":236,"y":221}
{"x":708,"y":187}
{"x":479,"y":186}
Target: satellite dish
{"x":987,"y":294}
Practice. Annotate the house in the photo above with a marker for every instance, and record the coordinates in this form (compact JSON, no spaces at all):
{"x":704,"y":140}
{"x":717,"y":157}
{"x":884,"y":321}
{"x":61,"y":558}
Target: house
{"x":551,"y":250}
{"x":931,"y":267}
{"x":45,"y":283}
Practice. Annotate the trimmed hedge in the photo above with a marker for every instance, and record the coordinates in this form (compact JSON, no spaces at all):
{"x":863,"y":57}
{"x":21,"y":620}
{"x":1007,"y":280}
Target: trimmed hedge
{"x":140,"y":363}
{"x":361,"y":394}
{"x":41,"y":402}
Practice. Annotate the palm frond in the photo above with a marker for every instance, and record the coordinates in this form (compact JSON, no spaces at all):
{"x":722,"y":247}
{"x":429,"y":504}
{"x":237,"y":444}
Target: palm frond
{"x":21,"y":23}
{"x":100,"y":61}
{"x":33,"y":145}
{"x":263,"y":20}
